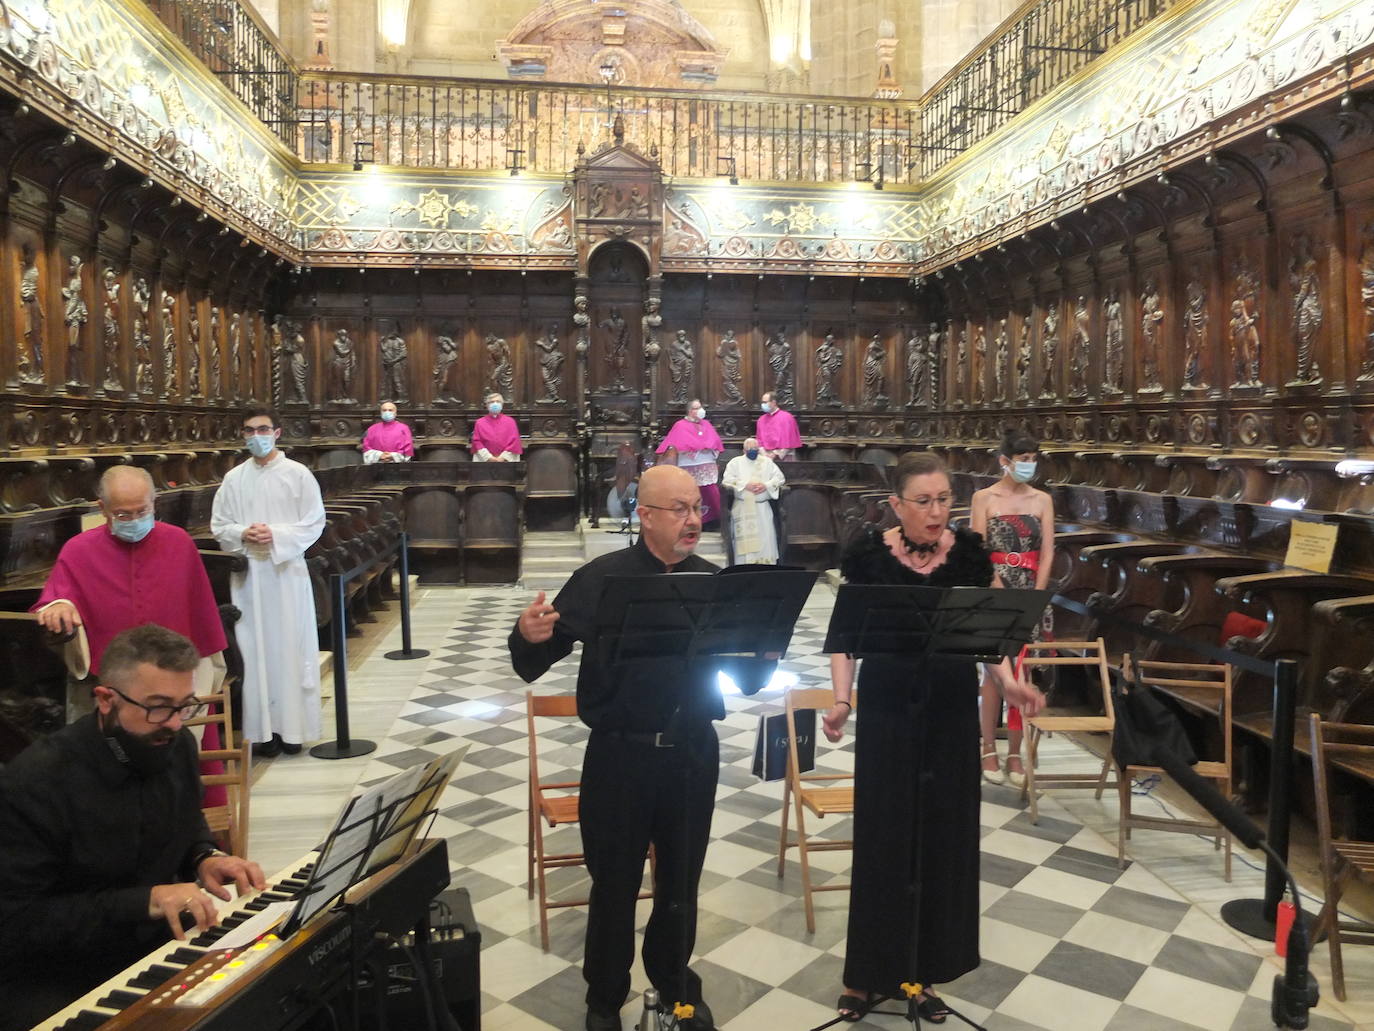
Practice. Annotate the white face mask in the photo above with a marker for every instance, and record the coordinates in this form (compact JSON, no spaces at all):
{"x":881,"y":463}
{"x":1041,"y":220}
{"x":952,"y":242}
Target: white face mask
{"x":388,"y":416}
{"x":1022,"y":472}
{"x":700,"y":413}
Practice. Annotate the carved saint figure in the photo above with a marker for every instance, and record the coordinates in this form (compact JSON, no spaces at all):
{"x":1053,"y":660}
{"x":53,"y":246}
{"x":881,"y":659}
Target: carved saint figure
{"x":112,"y":380}
{"x":31,"y":351}
{"x":728,"y":353}
{"x":1245,"y":338}
{"x":75,"y":315}
{"x":961,"y":367}
{"x":170,"y":387}
{"x":649,"y":326}
{"x":829,"y":359}
{"x":343,"y":360}
{"x":1151,"y":318}
{"x":1194,"y":331}
{"x":394,"y":360}
{"x":980,"y":363}
{"x":550,"y":366}
{"x":1023,"y":360}
{"x":618,"y":333}
{"x":582,"y":321}
{"x":875,"y":373}
{"x":250,"y":344}
{"x":1114,"y":346}
{"x":297,"y":367}
{"x":445,"y":356}
{"x":780,"y":362}
{"x":500,"y":374}
{"x":1001,"y":369}
{"x":276,"y":350}
{"x":1049,"y":348}
{"x":235,"y":354}
{"x":1307,"y":310}
{"x":917,"y":367}
{"x":216,"y":384}
{"x":143,"y":339}
{"x":193,"y":351}
{"x":1079,"y":348}
{"x":1367,"y":300}
{"x":681,"y":360}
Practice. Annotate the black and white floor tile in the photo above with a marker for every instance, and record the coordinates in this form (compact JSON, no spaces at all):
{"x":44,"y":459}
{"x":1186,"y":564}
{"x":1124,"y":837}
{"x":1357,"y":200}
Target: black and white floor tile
{"x":1069,"y":941}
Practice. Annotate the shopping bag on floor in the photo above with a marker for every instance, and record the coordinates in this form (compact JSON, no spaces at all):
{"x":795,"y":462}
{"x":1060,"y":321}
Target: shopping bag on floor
{"x":770,"y":745}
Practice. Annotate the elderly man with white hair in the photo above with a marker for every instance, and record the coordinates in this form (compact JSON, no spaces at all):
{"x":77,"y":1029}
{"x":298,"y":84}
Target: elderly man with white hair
{"x":755,"y":480}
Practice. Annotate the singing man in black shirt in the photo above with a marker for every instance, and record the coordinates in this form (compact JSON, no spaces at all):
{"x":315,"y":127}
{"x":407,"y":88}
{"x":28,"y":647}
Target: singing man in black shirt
{"x":104,"y":851}
{"x":649,"y":775}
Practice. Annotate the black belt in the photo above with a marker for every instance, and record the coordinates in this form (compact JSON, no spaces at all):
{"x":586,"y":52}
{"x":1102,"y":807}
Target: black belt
{"x":656,"y":738}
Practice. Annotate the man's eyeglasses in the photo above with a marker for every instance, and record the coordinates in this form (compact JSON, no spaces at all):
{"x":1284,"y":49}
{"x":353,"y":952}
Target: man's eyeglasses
{"x":679,"y":511}
{"x":925,"y":501}
{"x":259,"y":431}
{"x":162,"y":713}
{"x":122,"y":516}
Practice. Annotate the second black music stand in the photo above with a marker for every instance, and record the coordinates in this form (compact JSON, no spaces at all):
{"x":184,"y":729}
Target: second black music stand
{"x":917,"y":624}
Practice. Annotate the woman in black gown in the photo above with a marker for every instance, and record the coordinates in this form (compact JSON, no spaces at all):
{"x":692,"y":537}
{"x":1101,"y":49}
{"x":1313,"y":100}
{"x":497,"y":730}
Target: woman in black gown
{"x":916,"y":715}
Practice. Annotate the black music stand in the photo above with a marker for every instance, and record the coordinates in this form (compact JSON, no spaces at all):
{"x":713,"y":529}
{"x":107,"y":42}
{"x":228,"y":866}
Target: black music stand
{"x":919,"y":623}
{"x":739,"y":620}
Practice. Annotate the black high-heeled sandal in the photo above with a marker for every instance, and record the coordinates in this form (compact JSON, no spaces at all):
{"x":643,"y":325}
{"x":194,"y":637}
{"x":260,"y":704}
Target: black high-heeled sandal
{"x":932,"y":1008}
{"x":852,"y":1008}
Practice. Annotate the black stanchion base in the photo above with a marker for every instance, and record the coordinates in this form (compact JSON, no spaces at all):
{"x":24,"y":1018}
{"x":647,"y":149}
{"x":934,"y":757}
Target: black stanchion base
{"x":1247,"y":916}
{"x":334,"y":750}
{"x":401,"y":653}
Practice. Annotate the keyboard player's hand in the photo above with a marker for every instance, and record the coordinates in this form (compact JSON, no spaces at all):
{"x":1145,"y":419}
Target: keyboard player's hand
{"x":169,"y":901}
{"x":219,"y":870}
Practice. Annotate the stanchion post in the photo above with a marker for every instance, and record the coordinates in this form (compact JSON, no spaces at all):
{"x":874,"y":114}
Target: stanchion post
{"x":1257,"y":917}
{"x":406,"y":652}
{"x":343,"y":747}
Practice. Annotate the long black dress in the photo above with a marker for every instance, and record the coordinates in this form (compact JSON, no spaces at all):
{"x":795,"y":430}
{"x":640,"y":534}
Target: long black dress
{"x":893,"y":738}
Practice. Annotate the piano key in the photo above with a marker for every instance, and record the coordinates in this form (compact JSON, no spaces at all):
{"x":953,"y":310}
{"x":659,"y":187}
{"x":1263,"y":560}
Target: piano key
{"x":184,"y":956}
{"x":154,"y":976}
{"x":120,"y":998}
{"x":86,"y":1020}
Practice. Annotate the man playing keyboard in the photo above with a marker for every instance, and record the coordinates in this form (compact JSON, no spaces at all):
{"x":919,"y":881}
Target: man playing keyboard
{"x":104,"y":851}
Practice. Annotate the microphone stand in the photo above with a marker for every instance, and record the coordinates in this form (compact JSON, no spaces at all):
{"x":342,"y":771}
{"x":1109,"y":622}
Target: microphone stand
{"x":1295,"y":990}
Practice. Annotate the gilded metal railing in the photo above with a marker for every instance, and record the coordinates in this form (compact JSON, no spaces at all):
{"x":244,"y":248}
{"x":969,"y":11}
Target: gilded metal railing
{"x":481,"y":124}
{"x":242,"y":53}
{"x":1037,"y":48}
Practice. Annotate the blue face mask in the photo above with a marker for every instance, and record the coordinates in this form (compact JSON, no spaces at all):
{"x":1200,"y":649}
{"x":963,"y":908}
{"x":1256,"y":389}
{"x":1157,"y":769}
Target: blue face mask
{"x":260,"y":447}
{"x":388,"y":416}
{"x":752,"y":453}
{"x":1023,"y":472}
{"x":494,"y":408}
{"x":766,"y":407}
{"x":134,"y":530}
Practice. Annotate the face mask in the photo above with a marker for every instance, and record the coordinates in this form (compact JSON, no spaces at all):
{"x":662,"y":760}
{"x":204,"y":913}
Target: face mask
{"x":1023,"y":472}
{"x":766,"y":407}
{"x":494,"y":408}
{"x":700,"y":413}
{"x":134,"y":530}
{"x":752,"y":453}
{"x":261,"y":447}
{"x":135,"y":751}
{"x":388,"y":416}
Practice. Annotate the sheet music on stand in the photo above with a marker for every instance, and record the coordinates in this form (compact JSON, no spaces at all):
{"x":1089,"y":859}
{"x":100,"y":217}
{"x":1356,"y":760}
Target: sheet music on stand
{"x":374,"y":830}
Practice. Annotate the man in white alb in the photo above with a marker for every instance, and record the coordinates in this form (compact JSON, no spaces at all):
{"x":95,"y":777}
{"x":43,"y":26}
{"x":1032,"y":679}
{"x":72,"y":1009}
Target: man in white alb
{"x":269,"y":509}
{"x":755,"y":480}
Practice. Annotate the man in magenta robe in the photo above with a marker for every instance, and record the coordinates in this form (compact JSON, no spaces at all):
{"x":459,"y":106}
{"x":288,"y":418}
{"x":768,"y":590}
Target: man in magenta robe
{"x":387,"y":440}
{"x":496,"y":437}
{"x":777,"y":431}
{"x":697,"y":445}
{"x":131,"y":571}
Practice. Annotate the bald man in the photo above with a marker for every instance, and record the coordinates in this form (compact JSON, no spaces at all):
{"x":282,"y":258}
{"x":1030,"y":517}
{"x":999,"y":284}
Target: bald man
{"x":131,"y":571}
{"x":652,"y":760}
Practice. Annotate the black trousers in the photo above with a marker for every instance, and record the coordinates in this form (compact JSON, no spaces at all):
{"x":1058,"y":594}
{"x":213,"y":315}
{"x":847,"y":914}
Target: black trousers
{"x":635,"y":794}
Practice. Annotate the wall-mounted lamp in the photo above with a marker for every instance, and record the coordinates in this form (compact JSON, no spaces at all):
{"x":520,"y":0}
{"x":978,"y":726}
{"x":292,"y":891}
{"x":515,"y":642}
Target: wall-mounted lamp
{"x":362,"y":154}
{"x":726,"y":166}
{"x":513,"y":164}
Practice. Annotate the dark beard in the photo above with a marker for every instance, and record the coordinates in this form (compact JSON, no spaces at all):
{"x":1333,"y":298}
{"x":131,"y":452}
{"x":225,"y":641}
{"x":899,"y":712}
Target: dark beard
{"x":142,"y":753}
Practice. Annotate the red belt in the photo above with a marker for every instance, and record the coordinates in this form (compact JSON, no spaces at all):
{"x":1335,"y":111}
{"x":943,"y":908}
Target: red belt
{"x":1017,"y":559}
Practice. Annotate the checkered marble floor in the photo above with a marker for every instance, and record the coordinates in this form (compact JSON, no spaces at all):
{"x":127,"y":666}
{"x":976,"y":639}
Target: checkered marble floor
{"x":1069,"y":941}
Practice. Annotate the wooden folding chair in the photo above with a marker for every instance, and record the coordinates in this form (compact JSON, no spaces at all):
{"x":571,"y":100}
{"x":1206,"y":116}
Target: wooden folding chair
{"x":1342,"y":860}
{"x":228,"y":822}
{"x":555,"y":803}
{"x":1202,"y":686}
{"x":1091,"y":656}
{"x":823,"y":801}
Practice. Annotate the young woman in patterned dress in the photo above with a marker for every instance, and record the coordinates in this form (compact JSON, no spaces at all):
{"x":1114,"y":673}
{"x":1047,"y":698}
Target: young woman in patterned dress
{"x":1017,"y":525}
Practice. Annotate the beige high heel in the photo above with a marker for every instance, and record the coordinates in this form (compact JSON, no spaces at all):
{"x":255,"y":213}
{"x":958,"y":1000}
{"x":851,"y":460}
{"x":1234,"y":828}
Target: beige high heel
{"x":1016,"y":778}
{"x":995,"y":775}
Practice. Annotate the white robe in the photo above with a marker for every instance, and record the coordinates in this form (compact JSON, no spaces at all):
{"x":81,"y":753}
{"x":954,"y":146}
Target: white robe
{"x":277,"y":635}
{"x":751,"y":518}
